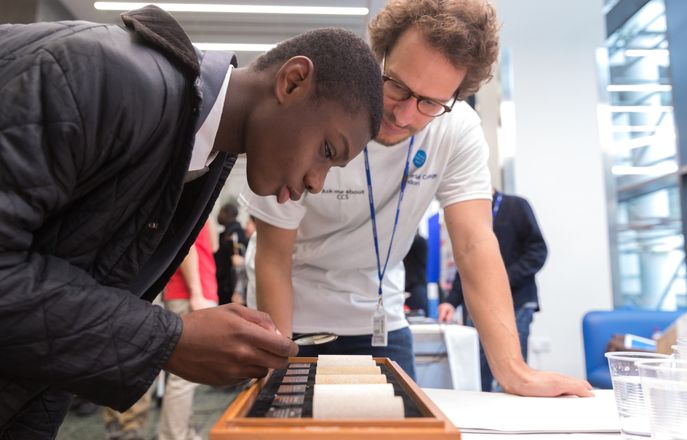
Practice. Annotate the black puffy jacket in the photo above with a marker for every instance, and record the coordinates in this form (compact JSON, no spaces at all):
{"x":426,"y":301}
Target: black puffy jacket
{"x":96,"y":133}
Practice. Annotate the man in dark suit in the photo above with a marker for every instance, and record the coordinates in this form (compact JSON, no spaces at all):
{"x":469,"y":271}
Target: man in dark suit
{"x":415,"y":264}
{"x":524,"y":252}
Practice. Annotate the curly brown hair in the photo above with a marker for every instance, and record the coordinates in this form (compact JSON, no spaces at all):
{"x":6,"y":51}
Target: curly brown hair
{"x":465,"y":31}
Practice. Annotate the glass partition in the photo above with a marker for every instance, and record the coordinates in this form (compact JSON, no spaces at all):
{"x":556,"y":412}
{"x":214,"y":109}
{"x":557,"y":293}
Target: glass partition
{"x":647,"y":226}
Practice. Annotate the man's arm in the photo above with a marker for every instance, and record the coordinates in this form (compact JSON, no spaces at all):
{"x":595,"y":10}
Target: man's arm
{"x":487,"y":296}
{"x":58,"y":326}
{"x":273,"y":264}
{"x":214,"y":236}
{"x":190,"y":273}
{"x":222,"y":343}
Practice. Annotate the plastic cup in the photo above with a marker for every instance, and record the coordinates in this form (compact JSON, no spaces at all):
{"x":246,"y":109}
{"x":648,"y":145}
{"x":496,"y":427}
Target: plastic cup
{"x":629,"y":398}
{"x":664,"y":383}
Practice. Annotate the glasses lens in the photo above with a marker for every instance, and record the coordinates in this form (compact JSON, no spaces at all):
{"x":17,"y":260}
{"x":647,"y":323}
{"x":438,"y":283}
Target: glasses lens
{"x":395,"y":91}
{"x":430,"y":108}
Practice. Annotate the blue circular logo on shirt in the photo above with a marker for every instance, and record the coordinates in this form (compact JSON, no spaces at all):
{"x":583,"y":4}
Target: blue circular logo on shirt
{"x":419,"y":158}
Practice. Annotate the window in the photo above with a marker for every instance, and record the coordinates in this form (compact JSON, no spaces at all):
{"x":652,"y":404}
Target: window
{"x":646,"y":229}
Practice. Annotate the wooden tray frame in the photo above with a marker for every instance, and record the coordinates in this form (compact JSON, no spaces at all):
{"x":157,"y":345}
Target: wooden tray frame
{"x":234,"y":425}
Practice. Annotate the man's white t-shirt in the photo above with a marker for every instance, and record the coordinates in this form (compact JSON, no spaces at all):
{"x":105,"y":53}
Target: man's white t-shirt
{"x":335,"y":278}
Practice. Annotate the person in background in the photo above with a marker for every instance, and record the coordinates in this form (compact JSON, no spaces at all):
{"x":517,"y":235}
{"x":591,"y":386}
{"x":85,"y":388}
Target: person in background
{"x":192,"y":287}
{"x":240,"y":268}
{"x":129,"y":424}
{"x":524,"y":252}
{"x":250,"y":227}
{"x":232,"y":242}
{"x":415,"y":265}
{"x":82,"y":407}
{"x":116,"y":141}
{"x":339,"y":244}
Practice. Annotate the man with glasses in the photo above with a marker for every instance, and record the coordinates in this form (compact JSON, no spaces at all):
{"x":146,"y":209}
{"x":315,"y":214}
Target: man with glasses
{"x":397,"y":91}
{"x":347,"y":244}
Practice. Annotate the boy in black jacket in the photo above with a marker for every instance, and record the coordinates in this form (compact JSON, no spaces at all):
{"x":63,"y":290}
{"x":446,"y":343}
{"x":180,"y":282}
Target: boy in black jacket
{"x":114,"y":144}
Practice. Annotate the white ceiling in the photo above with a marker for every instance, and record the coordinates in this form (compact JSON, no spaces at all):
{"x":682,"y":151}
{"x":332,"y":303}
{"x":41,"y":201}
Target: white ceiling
{"x":244,"y":28}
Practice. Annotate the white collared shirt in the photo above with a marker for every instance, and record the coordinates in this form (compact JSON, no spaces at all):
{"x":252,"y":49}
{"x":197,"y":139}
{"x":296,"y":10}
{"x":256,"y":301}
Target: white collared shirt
{"x":202,"y":154}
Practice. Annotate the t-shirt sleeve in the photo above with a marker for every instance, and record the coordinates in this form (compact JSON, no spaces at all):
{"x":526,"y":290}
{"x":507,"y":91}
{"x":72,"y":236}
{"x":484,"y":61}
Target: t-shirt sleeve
{"x":266,"y":208}
{"x":467,"y":174}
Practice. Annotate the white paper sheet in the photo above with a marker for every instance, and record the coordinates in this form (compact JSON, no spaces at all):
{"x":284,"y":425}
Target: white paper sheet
{"x":474,"y":411}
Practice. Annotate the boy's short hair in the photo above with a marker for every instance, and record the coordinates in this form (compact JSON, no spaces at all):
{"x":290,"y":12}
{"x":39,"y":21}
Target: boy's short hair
{"x":346,"y":70}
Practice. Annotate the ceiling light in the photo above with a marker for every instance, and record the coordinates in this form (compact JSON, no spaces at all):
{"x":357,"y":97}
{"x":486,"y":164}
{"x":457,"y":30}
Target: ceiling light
{"x":639,"y":88}
{"x":633,"y":128}
{"x":669,"y":244}
{"x":236,"y":9}
{"x":646,"y":141}
{"x":646,"y":52}
{"x":653,"y":170}
{"x":640,"y":108}
{"x":235,"y":47}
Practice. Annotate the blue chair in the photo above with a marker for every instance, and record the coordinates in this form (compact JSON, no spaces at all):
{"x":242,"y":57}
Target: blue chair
{"x":599,"y":326}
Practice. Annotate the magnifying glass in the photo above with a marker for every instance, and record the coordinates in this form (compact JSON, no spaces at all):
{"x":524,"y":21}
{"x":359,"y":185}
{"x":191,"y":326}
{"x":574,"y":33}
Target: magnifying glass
{"x":314,"y":338}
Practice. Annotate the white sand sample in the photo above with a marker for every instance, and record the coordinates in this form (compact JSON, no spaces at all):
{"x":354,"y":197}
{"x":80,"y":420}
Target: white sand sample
{"x":353,"y":391}
{"x":360,"y":401}
{"x":348,"y":369}
{"x":350,"y":378}
{"x":336,"y":359}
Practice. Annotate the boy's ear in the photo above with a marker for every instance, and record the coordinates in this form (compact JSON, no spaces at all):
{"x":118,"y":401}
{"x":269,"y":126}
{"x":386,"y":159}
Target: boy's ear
{"x":295,"y":79}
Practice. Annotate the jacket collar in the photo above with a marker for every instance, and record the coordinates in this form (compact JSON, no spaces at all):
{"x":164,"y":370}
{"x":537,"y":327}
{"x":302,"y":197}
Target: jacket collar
{"x":162,"y":30}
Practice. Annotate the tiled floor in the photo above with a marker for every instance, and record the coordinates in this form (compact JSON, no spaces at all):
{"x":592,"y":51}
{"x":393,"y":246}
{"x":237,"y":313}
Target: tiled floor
{"x":209,"y":404}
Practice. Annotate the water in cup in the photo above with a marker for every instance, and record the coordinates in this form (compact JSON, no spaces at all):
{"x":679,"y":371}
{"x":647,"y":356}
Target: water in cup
{"x":665,"y":390}
{"x":627,"y":388}
{"x":630,"y":402}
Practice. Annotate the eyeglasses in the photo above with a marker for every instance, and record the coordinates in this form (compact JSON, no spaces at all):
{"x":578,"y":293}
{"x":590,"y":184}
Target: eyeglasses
{"x":396,"y":90}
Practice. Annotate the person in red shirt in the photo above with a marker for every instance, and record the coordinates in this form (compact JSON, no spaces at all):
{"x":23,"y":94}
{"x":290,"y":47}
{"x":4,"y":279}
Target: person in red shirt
{"x":195,"y":281}
{"x":192,"y":287}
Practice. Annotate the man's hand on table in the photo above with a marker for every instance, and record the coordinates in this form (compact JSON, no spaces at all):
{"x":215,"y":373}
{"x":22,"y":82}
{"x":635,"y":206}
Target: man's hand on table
{"x":220,"y":344}
{"x":546,"y":384}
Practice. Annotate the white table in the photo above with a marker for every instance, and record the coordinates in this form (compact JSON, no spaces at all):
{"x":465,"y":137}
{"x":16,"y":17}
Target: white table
{"x":529,"y":418}
{"x":446,"y":356}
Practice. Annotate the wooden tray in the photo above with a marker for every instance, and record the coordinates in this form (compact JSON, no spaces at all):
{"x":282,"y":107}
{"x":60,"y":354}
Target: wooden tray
{"x":431,"y":425}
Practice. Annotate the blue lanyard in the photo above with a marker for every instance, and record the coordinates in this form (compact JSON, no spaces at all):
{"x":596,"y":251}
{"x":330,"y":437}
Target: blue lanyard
{"x":497,"y":204}
{"x":373,"y":216}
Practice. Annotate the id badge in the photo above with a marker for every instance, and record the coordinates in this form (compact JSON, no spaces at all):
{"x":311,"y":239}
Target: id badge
{"x":379,"y":332}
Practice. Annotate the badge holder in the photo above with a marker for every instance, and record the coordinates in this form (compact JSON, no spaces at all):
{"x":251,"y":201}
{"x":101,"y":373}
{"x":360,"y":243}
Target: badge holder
{"x":379,"y":332}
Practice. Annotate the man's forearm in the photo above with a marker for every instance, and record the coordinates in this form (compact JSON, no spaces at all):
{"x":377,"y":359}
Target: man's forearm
{"x":487,"y":296}
{"x":273,"y":264}
{"x":190,"y":273}
{"x":274,"y":293}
